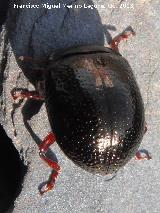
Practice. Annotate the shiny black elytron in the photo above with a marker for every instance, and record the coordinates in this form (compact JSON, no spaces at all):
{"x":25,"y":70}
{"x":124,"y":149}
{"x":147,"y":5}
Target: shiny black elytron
{"x":94,"y":107}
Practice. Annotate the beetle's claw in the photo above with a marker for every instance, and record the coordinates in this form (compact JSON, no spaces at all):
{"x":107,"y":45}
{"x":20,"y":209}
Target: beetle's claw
{"x":131,"y":30}
{"x":45,"y":188}
{"x":143,"y":154}
{"x":50,"y":184}
{"x":25,"y":58}
{"x":128,"y":33}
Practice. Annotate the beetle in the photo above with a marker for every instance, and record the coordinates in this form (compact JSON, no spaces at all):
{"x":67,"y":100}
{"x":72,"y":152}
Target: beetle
{"x":94,"y":107}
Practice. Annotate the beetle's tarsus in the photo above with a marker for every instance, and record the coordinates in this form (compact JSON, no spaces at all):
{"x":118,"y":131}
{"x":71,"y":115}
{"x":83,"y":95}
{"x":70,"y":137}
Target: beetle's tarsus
{"x":124,"y":35}
{"x":50,"y":184}
{"x":27,"y":58}
{"x":143,"y":154}
{"x":43,"y":147}
{"x":24,"y":93}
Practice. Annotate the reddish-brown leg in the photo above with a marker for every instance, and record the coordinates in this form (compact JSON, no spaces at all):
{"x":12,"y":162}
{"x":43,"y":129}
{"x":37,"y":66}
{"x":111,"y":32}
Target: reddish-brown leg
{"x":43,"y":147}
{"x":124,"y":35}
{"x":24,"y":93}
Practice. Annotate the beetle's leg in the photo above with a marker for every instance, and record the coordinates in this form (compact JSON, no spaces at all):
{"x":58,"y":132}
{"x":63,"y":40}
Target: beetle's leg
{"x":32,"y":60}
{"x":124,"y":35}
{"x":18,"y":95}
{"x":143,"y":154}
{"x":43,"y":147}
{"x":25,"y":58}
{"x":24,"y":93}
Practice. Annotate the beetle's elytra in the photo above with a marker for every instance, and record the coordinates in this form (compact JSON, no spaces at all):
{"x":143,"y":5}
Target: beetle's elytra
{"x":94,"y":107}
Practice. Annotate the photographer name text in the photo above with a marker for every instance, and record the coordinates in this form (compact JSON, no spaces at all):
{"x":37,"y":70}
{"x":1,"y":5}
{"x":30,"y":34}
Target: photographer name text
{"x":75,"y":6}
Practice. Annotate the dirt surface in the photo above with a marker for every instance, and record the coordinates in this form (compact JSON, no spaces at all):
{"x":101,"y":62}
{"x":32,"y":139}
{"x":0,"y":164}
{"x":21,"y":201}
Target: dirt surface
{"x":37,"y":32}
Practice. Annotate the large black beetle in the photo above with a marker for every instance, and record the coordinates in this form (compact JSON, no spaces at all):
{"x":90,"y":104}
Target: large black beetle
{"x":94,"y":107}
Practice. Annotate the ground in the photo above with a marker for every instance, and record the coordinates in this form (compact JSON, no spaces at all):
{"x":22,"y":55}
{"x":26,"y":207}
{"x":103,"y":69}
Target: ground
{"x":38,"y":33}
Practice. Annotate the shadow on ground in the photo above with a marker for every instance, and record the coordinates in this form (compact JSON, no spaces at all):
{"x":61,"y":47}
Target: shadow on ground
{"x":12,"y":173}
